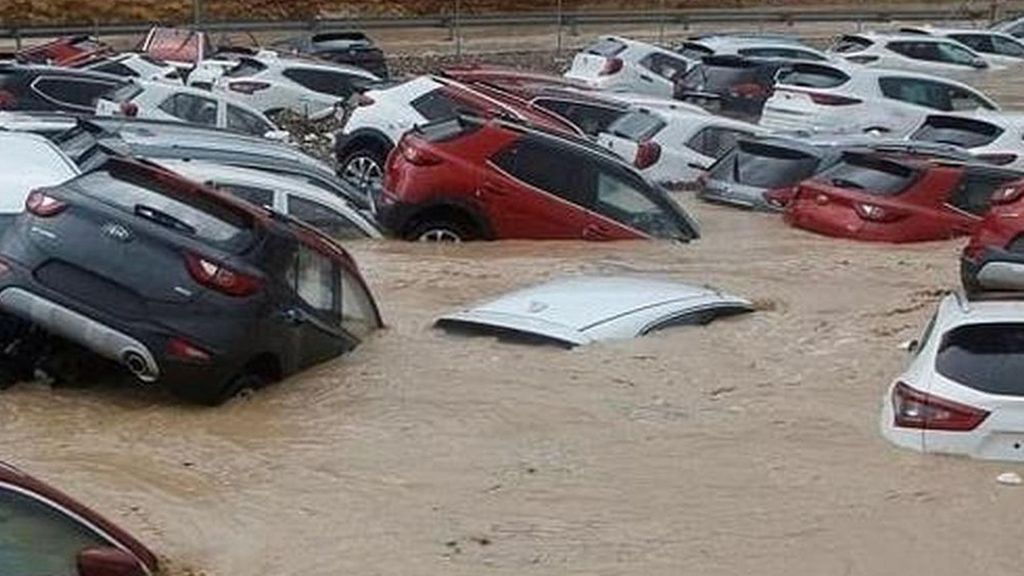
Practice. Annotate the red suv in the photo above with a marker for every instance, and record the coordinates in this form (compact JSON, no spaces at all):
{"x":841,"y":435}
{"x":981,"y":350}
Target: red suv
{"x":994,"y":258}
{"x":470,"y":178}
{"x":888,"y":198}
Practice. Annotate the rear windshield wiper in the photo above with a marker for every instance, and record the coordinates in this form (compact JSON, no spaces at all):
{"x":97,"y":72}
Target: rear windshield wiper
{"x":163,"y":219}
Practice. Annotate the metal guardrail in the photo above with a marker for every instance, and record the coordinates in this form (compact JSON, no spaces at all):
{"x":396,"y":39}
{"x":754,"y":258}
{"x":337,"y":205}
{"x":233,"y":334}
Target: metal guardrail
{"x":512,"y":20}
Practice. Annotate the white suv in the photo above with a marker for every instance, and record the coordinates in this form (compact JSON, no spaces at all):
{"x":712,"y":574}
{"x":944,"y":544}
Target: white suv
{"x":624,"y":65}
{"x":273,"y":84}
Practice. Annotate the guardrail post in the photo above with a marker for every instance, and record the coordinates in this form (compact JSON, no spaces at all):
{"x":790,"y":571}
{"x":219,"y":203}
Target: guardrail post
{"x":558,"y":39}
{"x":574,"y":27}
{"x":17,"y":39}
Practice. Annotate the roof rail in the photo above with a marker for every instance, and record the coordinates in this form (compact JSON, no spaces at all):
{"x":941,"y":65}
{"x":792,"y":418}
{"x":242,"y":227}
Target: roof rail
{"x":962,"y":301}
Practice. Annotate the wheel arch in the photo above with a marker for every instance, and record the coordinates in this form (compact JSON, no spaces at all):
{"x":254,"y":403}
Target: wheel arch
{"x":454,"y":209}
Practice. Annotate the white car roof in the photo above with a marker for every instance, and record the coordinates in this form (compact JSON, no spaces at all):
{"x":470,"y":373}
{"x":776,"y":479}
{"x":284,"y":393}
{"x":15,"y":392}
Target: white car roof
{"x":640,"y":45}
{"x":409,"y":90}
{"x":29,"y":161}
{"x":277,"y":61}
{"x":956,"y":310}
{"x":900,"y":36}
{"x":585,"y":309}
{"x":166,"y":88}
{"x":717,"y":43}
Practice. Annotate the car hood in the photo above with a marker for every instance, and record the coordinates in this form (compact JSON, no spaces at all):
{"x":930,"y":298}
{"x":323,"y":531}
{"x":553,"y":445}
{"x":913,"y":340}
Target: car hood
{"x":582,"y":310}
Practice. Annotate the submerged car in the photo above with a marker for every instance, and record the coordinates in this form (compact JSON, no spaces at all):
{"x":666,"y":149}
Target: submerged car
{"x":44,"y":531}
{"x":993,"y":260}
{"x":733,"y":86}
{"x":962,"y":392}
{"x":885,"y":198}
{"x":183,"y":285}
{"x":762,"y":173}
{"x":471,"y":178}
{"x":993,"y":137}
{"x":578,"y":311}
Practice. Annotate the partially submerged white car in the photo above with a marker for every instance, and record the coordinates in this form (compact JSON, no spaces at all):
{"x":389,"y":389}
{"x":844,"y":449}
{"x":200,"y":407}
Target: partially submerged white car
{"x":912,"y":52}
{"x":997,"y":47}
{"x":962,"y":393}
{"x":993,"y":137}
{"x":583,"y":310}
{"x":623,"y":65}
{"x":674,"y":146}
{"x":843,"y":99}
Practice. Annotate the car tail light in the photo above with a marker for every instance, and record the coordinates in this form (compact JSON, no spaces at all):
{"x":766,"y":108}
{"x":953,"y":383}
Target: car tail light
{"x":185,"y":351}
{"x":221,"y":278}
{"x":748,"y":90}
{"x":43,"y":205}
{"x":1007,"y":195}
{"x":647,"y":154}
{"x":998,"y":159}
{"x":832,"y":99}
{"x":780,"y":197}
{"x":915,"y":409}
{"x":417,"y":156}
{"x":247,"y":87}
{"x":129,"y":109}
{"x":876,"y":213}
{"x":611,"y":66}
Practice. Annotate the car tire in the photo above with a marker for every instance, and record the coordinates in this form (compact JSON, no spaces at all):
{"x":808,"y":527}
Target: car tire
{"x":446,"y":231}
{"x":213,"y":396}
{"x":363,"y":168}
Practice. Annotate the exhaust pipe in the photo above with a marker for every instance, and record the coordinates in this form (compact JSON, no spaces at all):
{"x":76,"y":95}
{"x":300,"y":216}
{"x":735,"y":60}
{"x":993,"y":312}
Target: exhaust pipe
{"x":138,"y":366}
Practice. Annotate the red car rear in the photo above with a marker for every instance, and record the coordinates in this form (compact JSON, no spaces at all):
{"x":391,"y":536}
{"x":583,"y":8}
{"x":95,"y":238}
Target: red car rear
{"x":999,"y":241}
{"x":44,"y":531}
{"x":884,"y":198}
{"x":470,"y":178}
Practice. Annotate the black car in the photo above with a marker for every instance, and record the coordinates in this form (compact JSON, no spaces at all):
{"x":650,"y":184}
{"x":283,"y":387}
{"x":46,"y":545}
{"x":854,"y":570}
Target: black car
{"x":352,"y":48}
{"x":734,"y":86}
{"x":180,"y":284}
{"x":52,"y":89}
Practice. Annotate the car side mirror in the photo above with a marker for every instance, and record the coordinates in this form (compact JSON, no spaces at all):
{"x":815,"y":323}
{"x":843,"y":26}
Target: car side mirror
{"x":979,"y":63}
{"x":910,"y":346}
{"x":108,"y":562}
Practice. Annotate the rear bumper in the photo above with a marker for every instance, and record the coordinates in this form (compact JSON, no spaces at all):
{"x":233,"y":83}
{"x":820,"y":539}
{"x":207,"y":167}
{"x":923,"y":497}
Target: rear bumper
{"x":91,"y":334}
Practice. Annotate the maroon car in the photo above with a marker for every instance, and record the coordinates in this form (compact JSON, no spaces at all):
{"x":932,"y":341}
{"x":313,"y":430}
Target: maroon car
{"x":45,"y":532}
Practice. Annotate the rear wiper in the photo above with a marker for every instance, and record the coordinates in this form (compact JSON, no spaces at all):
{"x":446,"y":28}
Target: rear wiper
{"x":163,"y":219}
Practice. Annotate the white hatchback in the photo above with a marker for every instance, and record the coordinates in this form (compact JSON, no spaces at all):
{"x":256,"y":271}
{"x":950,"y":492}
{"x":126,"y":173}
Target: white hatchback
{"x":673,"y":146}
{"x":844,"y":99}
{"x":162,"y":101}
{"x":997,"y":47}
{"x":913,"y":52}
{"x":623,"y":65}
{"x":962,"y":393}
{"x":993,"y":137}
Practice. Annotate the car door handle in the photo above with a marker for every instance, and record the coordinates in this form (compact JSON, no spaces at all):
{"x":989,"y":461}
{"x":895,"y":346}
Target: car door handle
{"x":646,"y":78}
{"x":293,"y":316}
{"x":595,"y":232}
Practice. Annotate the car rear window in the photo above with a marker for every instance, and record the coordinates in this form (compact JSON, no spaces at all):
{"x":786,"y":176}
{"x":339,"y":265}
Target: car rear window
{"x":812,"y":76}
{"x":870,"y":174}
{"x":986,"y":357}
{"x":437,"y":105}
{"x":694,"y":50}
{"x":606,"y":47}
{"x":765,"y":166}
{"x":447,"y":129}
{"x":124,"y":93}
{"x":246,"y":67}
{"x":638,"y":126}
{"x":719,"y":77}
{"x":851,"y":44}
{"x":178,"y":207}
{"x":963,"y":132}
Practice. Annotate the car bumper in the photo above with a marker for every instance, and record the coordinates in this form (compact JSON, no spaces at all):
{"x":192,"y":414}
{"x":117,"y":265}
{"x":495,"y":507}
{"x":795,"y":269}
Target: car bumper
{"x":392,"y":216}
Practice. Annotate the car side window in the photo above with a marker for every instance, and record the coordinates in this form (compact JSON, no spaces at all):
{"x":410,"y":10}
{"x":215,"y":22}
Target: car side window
{"x":621,"y":197}
{"x":37,"y":539}
{"x":245,"y":122}
{"x":931,"y":94}
{"x":314,"y":277}
{"x":544,"y":166}
{"x":191,"y":108}
{"x":117,"y":69}
{"x":326,"y":219}
{"x":954,"y":54}
{"x":714,"y":141}
{"x":976,"y":42}
{"x":324,"y":82}
{"x":77,"y":93}
{"x":358,"y":313}
{"x":663,"y":65}
{"x":1007,"y":47}
{"x":251,"y":194}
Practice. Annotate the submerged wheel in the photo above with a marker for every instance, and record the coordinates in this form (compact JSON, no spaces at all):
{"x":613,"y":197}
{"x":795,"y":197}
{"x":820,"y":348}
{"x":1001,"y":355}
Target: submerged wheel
{"x":363,"y":169}
{"x":214,"y":396}
{"x":440,"y":231}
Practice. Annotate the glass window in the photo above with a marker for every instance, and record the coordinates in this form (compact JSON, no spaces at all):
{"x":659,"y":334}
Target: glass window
{"x":931,"y":94}
{"x":325,"y":82}
{"x":246,"y":122}
{"x":974,"y":194}
{"x":606,"y":47}
{"x":74,"y":92}
{"x":764,"y":166}
{"x":621,"y":198}
{"x":976,"y":42}
{"x":358,"y":313}
{"x":436,"y":105}
{"x":851,"y":44}
{"x":1008,"y":47}
{"x":37,"y":540}
{"x":191,"y":108}
{"x":668,"y":67}
{"x":245,"y":67}
{"x":543,"y":166}
{"x":869,"y":174}
{"x":589,"y":118}
{"x":985,"y":357}
{"x":811,"y":76}
{"x":252,"y":194}
{"x":326,"y":219}
{"x":954,"y":54}
{"x":714,"y":142}
{"x":637,"y":126}
{"x":317,"y":283}
{"x":116,"y":68}
{"x":694,"y":51}
{"x":963,"y":132}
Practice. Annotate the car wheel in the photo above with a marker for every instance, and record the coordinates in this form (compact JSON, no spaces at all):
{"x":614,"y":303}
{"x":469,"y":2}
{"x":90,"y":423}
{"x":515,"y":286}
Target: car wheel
{"x":440,"y":231}
{"x":363,"y":169}
{"x":244,"y":383}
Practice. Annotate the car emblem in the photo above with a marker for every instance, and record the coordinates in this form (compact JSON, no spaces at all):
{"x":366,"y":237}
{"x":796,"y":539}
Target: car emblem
{"x":117,"y":232}
{"x":536,"y":307}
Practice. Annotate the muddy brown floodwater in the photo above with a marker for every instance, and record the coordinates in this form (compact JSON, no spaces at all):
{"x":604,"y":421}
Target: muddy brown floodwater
{"x":749,"y":446}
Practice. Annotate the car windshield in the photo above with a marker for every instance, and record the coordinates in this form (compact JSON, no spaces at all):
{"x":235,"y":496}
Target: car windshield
{"x":869,"y":174}
{"x":811,"y":76}
{"x":985,"y":357}
{"x":962,"y":132}
{"x":764,"y":166}
{"x":638,"y":126}
{"x":718,"y":78}
{"x":164,"y":199}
